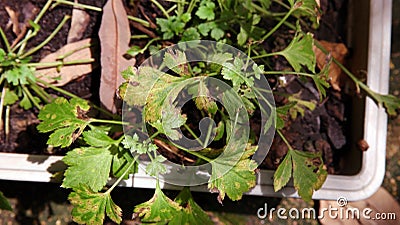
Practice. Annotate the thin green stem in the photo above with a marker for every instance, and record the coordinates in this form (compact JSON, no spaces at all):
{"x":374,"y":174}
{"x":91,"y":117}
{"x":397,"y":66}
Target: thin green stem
{"x":265,"y":12}
{"x":171,"y":9}
{"x":288,"y":72}
{"x":193,"y":134}
{"x":3,"y":35}
{"x":198,"y":155}
{"x":31,"y":98}
{"x":29,"y":33}
{"x":94,"y":120}
{"x":7,"y":124}
{"x":140,"y":36}
{"x":123,"y":175}
{"x":160,"y":7}
{"x":138,"y":20}
{"x":40,"y":92}
{"x":48,"y":39}
{"x":264,"y":55}
{"x":208,"y":135}
{"x":3,"y":95}
{"x":284,"y":139}
{"x":78,"y":5}
{"x":279,"y":24}
{"x":154,"y":135}
{"x":42,"y":65}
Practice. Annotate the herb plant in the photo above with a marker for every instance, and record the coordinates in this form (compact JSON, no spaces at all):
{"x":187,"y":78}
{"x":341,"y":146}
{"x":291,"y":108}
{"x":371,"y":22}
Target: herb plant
{"x":101,"y":150}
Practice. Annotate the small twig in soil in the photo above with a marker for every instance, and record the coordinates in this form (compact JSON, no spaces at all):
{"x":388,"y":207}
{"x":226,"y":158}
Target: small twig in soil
{"x":143,"y":29}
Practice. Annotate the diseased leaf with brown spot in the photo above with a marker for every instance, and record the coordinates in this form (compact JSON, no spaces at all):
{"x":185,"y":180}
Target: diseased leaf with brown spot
{"x":114,"y":37}
{"x":60,"y":76}
{"x":337,"y":51}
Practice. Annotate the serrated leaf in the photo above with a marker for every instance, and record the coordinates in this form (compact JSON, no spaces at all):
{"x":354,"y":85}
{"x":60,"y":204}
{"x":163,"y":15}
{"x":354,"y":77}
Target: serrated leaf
{"x":158,"y":86}
{"x":203,"y":101}
{"x":87,"y":165}
{"x":217,"y":33}
{"x":97,"y":138}
{"x":390,"y":102}
{"x":159,"y":209}
{"x":10,"y":97}
{"x":176,"y":61}
{"x":191,"y":213}
{"x":133,"y":144}
{"x":239,"y":177}
{"x":320,"y":80}
{"x":234,"y":72}
{"x":90,"y":207}
{"x":206,"y":10}
{"x":25,"y":102}
{"x":300,"y":52}
{"x":4,"y":204}
{"x":190,"y":34}
{"x":155,"y":166}
{"x":62,"y":116}
{"x":306,"y":176}
{"x":299,"y":106}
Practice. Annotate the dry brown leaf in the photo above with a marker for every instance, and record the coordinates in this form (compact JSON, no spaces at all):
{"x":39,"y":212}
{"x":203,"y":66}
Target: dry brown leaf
{"x":114,"y":36}
{"x":339,"y":52}
{"x":14,"y":19}
{"x":80,"y":51}
{"x":79,"y":22}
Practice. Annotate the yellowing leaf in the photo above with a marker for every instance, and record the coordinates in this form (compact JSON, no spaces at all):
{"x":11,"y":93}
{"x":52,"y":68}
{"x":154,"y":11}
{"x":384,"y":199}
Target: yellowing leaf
{"x":87,"y":165}
{"x":159,"y":209}
{"x":63,"y":117}
{"x":90,"y":207}
{"x":307,"y":177}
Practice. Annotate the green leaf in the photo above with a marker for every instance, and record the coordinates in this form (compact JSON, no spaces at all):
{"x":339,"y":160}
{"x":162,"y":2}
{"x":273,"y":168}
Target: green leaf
{"x":390,"y":102}
{"x":64,"y":117}
{"x":242,"y":37}
{"x":158,"y":85}
{"x":97,"y":138}
{"x":10,"y":97}
{"x":300,"y":52}
{"x":217,"y":33}
{"x":307,"y":177}
{"x":190,"y":34}
{"x":159,"y":209}
{"x":87,"y":165}
{"x":177,"y":62}
{"x":191,"y":213}
{"x":155,"y":166}
{"x":202,"y":101}
{"x":120,"y":163}
{"x":90,"y":207}
{"x":206,"y":10}
{"x":2,"y":55}
{"x":239,"y":177}
{"x":4,"y":204}
{"x":134,"y":51}
{"x":234,"y":72}
{"x":320,"y":81}
{"x":299,"y":106}
{"x":25,"y":102}
{"x":133,"y":144}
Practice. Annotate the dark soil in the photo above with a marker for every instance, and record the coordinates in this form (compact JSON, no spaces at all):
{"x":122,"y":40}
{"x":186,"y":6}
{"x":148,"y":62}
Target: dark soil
{"x":322,"y":130}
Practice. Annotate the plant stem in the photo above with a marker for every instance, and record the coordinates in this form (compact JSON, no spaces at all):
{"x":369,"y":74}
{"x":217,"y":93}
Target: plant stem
{"x":7,"y":124}
{"x":48,"y":39}
{"x":279,"y":24}
{"x":94,"y":120}
{"x":78,"y":5}
{"x":29,"y":33}
{"x":265,"y":12}
{"x":140,"y":36}
{"x":3,"y":94}
{"x":198,"y":155}
{"x":160,"y":7}
{"x":122,"y":176}
{"x":40,"y":92}
{"x":171,"y":9}
{"x":143,"y":22}
{"x":265,"y":55}
{"x":208,"y":135}
{"x":288,"y":72}
{"x":31,"y":98}
{"x":284,"y":139}
{"x":3,"y":35}
{"x":193,"y":134}
{"x":59,"y":63}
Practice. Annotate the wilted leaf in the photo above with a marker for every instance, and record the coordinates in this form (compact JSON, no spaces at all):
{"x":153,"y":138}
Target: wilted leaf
{"x":114,"y":37}
{"x":90,"y":207}
{"x":74,"y":52}
{"x":337,"y":51}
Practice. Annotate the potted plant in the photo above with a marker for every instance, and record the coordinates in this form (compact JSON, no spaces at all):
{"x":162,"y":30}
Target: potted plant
{"x":153,"y":120}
